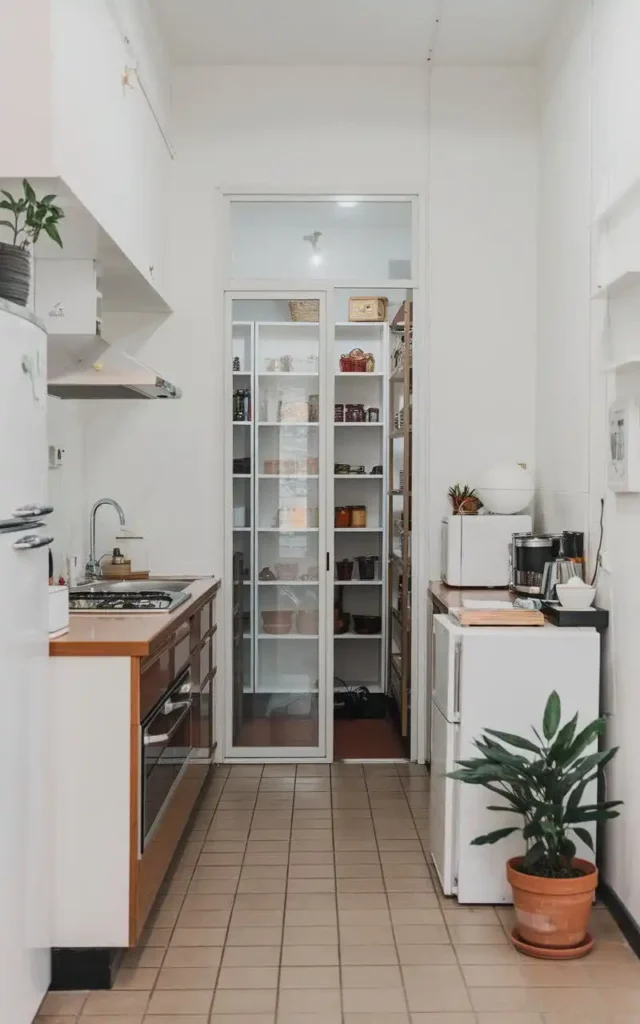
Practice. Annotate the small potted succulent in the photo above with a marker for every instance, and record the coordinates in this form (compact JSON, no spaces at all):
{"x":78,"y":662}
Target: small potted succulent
{"x":464,"y":500}
{"x":30,"y":216}
{"x":545,"y":782}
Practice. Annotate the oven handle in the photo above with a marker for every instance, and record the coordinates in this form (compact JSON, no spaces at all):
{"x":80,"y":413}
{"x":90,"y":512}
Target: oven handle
{"x":164,"y":737}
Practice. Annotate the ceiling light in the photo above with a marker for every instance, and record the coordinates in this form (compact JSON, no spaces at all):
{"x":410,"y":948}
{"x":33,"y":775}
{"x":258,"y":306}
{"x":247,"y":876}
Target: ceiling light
{"x":316,"y":259}
{"x":346,"y":204}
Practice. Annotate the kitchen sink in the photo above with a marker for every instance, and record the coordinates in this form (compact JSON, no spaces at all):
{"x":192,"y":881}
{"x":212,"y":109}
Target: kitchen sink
{"x":153,"y":595}
{"x":132,"y":586}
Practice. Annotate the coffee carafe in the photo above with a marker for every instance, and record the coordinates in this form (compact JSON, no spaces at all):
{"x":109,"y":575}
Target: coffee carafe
{"x":559,"y":570}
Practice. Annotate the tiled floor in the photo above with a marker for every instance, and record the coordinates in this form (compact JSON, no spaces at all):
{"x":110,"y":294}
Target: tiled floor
{"x":305,"y":897}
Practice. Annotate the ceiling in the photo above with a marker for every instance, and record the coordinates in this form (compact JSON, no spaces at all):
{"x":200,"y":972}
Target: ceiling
{"x":287,"y":32}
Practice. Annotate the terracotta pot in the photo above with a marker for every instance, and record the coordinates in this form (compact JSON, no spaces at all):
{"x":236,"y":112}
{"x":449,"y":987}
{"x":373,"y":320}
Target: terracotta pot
{"x":552,"y":913}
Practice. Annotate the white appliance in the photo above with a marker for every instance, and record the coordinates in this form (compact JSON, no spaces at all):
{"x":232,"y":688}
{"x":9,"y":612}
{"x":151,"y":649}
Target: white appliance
{"x":496,"y":678}
{"x":25,"y":840}
{"x":476,"y":549}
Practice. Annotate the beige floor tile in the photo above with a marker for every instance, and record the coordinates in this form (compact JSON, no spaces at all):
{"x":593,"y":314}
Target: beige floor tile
{"x":312,"y":885}
{"x":264,"y":871}
{"x":208,"y":901}
{"x":298,"y":857}
{"x":366,"y":955}
{"x":420,"y":934}
{"x":311,"y":871}
{"x":314,"y":936}
{"x":61,"y":1004}
{"x":115,"y":1003}
{"x":362,"y":935}
{"x":360,"y":885}
{"x":374,"y":1000}
{"x":362,"y":901}
{"x":416,"y":916}
{"x":413,"y":901}
{"x":376,"y":1018}
{"x":136,"y":978}
{"x":245,"y":1001}
{"x":261,"y":859}
{"x":247,"y":1018}
{"x":310,"y":956}
{"x":259,"y":901}
{"x":257,"y":918}
{"x":189,"y":978}
{"x":203,"y":919}
{"x":135,"y":1018}
{"x":210,"y":886}
{"x":193,"y":956}
{"x":471,"y":915}
{"x":367,"y":918}
{"x":251,"y":956}
{"x":257,"y":885}
{"x":143,"y":956}
{"x":335,"y":1017}
{"x":254,"y":936}
{"x":473,"y":954}
{"x":311,"y":918}
{"x":310,"y":901}
{"x":369,"y":976}
{"x":404,"y":884}
{"x":427,"y":954}
{"x":306,"y":1000}
{"x":198,"y":937}
{"x":164,"y":918}
{"x":446,"y":1018}
{"x":477,"y":934}
{"x":248,"y":977}
{"x":514,"y":1018}
{"x":155,"y":937}
{"x":178,"y":1001}
{"x":310,"y":977}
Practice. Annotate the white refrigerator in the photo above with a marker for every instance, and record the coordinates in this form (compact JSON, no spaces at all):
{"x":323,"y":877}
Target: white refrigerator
{"x":25,"y":844}
{"x":496,"y":678}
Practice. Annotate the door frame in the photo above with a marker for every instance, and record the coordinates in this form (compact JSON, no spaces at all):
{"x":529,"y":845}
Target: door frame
{"x":419,"y":282}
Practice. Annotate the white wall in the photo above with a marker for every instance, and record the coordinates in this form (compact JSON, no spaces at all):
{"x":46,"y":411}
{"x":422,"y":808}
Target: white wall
{"x":590,"y":89}
{"x":482,"y":330}
{"x":66,"y":485}
{"x":236,"y":126}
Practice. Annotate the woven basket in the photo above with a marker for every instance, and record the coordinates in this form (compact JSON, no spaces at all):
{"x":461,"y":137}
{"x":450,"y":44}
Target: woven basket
{"x":307,"y":310}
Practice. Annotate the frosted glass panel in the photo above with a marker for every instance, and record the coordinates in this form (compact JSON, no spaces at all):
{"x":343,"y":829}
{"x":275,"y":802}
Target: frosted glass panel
{"x":321,"y":239}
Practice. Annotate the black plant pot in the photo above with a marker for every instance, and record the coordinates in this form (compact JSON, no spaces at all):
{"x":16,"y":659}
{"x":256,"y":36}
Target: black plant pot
{"x":15,"y":273}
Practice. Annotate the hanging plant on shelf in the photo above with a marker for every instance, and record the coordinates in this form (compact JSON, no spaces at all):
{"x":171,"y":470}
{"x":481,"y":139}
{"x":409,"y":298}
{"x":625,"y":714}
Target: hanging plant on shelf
{"x":464,"y":500}
{"x":31,"y":216}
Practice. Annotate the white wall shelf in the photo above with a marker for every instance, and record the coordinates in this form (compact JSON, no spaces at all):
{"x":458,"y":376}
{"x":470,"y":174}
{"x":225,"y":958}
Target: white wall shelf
{"x":622,"y":364}
{"x":625,"y":281}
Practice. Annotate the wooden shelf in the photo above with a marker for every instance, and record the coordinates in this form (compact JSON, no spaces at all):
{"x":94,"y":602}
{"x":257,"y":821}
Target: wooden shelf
{"x":625,"y":281}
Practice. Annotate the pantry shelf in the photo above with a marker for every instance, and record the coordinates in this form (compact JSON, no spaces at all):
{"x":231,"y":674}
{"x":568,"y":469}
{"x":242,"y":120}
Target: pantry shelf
{"x":358,"y":636}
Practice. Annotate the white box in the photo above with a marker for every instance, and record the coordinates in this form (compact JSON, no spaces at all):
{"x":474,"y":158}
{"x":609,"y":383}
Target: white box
{"x":476,"y":550}
{"x":58,"y":610}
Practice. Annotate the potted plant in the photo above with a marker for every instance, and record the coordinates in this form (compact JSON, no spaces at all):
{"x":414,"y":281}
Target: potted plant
{"x":30,"y":216}
{"x":545,"y":782}
{"x":464,"y":500}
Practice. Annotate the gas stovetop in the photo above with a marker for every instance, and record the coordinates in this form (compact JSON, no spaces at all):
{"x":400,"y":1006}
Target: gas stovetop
{"x":143,"y":601}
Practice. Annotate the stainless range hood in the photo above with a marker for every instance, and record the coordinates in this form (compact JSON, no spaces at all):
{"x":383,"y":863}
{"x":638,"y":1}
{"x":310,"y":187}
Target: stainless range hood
{"x":114,"y":375}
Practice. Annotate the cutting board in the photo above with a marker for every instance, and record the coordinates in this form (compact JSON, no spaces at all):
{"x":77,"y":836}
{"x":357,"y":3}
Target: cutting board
{"x":497,"y":617}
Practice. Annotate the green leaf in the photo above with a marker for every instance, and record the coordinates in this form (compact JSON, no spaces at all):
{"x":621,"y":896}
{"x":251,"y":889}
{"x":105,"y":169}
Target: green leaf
{"x":532,"y":831}
{"x":47,"y":200}
{"x":494,"y":807}
{"x":585,"y":836}
{"x":585,"y":765}
{"x":514,"y":741}
{"x":563,"y":739}
{"x":567,"y":849}
{"x":585,"y":738}
{"x":534,"y":854}
{"x":6,"y":224}
{"x":493,"y":837}
{"x":52,"y":232}
{"x":576,"y":794}
{"x":28,"y":191}
{"x":551,"y":717}
{"x":9,"y":197}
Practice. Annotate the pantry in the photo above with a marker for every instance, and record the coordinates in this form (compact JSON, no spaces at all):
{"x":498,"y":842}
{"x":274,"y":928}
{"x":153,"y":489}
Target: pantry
{"x":319,"y":454}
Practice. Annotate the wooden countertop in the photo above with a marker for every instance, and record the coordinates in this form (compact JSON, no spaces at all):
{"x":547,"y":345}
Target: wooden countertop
{"x":133,"y":634}
{"x":451,"y":597}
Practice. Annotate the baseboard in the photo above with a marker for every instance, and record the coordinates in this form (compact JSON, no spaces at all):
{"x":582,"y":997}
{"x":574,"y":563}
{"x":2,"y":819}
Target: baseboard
{"x":73,"y":969}
{"x":626,"y":923}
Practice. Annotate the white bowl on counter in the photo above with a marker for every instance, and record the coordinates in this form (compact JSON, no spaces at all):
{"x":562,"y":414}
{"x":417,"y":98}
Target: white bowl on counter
{"x":575,"y":598}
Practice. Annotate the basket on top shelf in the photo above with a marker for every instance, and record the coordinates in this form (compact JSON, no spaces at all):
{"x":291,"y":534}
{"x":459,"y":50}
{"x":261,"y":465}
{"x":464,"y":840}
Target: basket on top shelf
{"x":305,"y":310}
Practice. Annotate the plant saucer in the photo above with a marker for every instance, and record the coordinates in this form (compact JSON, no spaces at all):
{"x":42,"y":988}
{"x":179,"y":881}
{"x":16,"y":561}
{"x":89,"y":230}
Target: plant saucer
{"x":552,"y":952}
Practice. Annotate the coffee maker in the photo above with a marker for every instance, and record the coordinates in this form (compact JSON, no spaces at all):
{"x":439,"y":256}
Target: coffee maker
{"x":540,"y":561}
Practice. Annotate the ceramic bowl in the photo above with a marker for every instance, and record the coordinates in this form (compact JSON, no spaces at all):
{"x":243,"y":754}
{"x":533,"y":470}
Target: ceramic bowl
{"x":575,"y":598}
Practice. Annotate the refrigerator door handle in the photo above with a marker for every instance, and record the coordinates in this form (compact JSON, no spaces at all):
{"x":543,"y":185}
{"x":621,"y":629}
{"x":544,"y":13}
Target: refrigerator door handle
{"x":457,"y":658}
{"x":31,"y":541}
{"x":32,"y":511}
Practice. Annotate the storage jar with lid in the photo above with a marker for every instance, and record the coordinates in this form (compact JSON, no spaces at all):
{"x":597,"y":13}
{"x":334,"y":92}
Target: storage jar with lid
{"x":359,"y":516}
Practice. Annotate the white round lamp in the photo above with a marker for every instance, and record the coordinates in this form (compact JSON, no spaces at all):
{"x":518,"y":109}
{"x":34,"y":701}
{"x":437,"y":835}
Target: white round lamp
{"x":505,"y":489}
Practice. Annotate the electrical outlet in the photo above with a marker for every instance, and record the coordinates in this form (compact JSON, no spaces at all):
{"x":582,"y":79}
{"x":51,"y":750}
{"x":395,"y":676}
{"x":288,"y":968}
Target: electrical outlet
{"x":55,"y":456}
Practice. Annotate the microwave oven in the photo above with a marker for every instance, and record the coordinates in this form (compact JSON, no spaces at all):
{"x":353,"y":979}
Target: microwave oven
{"x":476,"y":550}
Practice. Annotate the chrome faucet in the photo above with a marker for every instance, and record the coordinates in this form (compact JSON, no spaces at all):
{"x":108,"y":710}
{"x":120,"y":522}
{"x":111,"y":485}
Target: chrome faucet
{"x":92,"y":568}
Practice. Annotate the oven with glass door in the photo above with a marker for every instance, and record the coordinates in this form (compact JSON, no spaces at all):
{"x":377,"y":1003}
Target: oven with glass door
{"x":165,"y":751}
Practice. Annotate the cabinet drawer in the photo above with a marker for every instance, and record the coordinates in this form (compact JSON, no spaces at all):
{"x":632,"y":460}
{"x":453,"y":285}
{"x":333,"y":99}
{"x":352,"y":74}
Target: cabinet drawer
{"x":203,"y":719}
{"x":155,"y":680}
{"x":202,"y":624}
